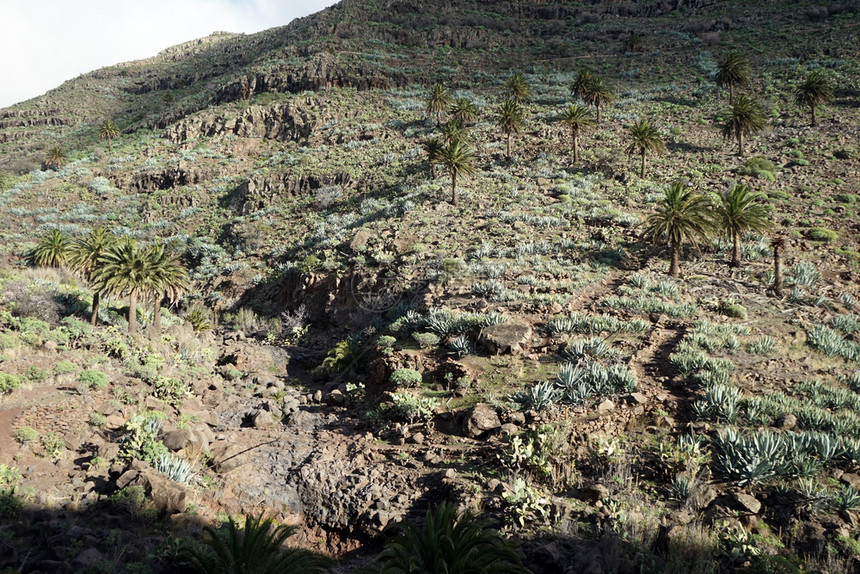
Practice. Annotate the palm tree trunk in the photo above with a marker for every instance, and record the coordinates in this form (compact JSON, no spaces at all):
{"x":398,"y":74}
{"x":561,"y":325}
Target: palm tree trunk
{"x":740,"y":143}
{"x":156,"y":314}
{"x":597,"y":105}
{"x":132,"y":312}
{"x":454,"y":188}
{"x":778,"y":246}
{"x":509,"y":145}
{"x":94,"y":318}
{"x":736,"y":249}
{"x":642,"y":172}
{"x":675,"y":266}
{"x":731,"y":94}
{"x":575,"y":147}
{"x":813,"y":114}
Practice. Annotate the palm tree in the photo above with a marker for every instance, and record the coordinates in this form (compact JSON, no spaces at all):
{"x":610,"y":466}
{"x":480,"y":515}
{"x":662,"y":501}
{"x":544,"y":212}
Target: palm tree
{"x":458,"y":159}
{"x":257,"y":548}
{"x":108,"y":131}
{"x":578,"y":119}
{"x":123,"y":269}
{"x":452,"y":130}
{"x":438,"y":101}
{"x":464,"y":111}
{"x":746,"y":117}
{"x":644,"y":138}
{"x":51,"y":251}
{"x":580,"y":84}
{"x":778,"y":243}
{"x":518,"y":89}
{"x":510,"y":119}
{"x":598,"y":93}
{"x":449,"y":542}
{"x":55,"y":158}
{"x":682,"y":215}
{"x":815,"y":90}
{"x":740,"y":211}
{"x":167,"y":279}
{"x":733,"y":70}
{"x":84,"y":258}
{"x":433,"y":149}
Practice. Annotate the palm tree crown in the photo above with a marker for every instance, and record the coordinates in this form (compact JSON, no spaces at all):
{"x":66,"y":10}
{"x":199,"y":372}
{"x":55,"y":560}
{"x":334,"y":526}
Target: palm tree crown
{"x":452,"y":130}
{"x":518,"y":89}
{"x":166,"y":279}
{"x":815,"y":90}
{"x":510,"y":119}
{"x":55,"y":158}
{"x":458,"y":159}
{"x":598,"y":93}
{"x":464,"y":111}
{"x":746,"y":117}
{"x":644,"y":138}
{"x":578,"y":119}
{"x":682,"y":215}
{"x":740,"y":211}
{"x":449,"y":542}
{"x":256,"y":548}
{"x":733,"y":70}
{"x":51,"y":251}
{"x":438,"y":101}
{"x":579,"y":89}
{"x":433,"y":149}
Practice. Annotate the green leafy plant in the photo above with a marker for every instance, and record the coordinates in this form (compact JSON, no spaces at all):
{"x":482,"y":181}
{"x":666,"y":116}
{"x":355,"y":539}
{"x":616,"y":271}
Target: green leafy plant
{"x":405,"y":378}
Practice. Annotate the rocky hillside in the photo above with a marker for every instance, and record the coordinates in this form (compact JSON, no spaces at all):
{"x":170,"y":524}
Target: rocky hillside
{"x":354,"y":348}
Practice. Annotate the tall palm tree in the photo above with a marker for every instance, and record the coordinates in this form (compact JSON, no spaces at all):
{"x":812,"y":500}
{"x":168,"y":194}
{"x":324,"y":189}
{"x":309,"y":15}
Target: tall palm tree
{"x":733,"y":70}
{"x":51,"y":251}
{"x":740,"y":211}
{"x":746,"y":117}
{"x":518,"y":89}
{"x":682,"y":215}
{"x":579,"y":89}
{"x":464,"y":111}
{"x":438,"y":101}
{"x":84,"y":258}
{"x":450,"y":543}
{"x":458,"y":159}
{"x":433,"y":149}
{"x":510,"y":119}
{"x":108,"y":131}
{"x":578,"y":119}
{"x":644,"y":138}
{"x":598,"y":93}
{"x":452,"y":130}
{"x":256,"y":548}
{"x":815,"y":90}
{"x":55,"y":158}
{"x":166,"y":279}
{"x":123,"y":269}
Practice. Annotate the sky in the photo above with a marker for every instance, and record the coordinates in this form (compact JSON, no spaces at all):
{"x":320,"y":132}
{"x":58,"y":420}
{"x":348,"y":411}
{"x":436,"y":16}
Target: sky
{"x":46,"y":42}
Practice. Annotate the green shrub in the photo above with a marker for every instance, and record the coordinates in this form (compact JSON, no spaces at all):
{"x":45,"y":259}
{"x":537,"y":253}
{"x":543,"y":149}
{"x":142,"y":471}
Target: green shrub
{"x":130,"y":499}
{"x":65,"y":367}
{"x":35,"y":374}
{"x":9,"y":383}
{"x":405,"y":378}
{"x":846,"y":198}
{"x":758,"y":167}
{"x":53,"y":444}
{"x":822,"y":234}
{"x":75,"y":328}
{"x":778,"y":195}
{"x":93,"y":378}
{"x":26,"y":434}
{"x":734,"y":310}
{"x":8,"y":341}
{"x":426,"y":340}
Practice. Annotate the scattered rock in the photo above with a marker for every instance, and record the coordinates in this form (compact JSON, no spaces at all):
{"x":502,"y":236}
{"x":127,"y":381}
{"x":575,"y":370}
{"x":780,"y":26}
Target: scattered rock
{"x":508,"y":337}
{"x":747,"y":502}
{"x":483,"y":418}
{"x":594,"y":492}
{"x":786,"y":422}
{"x":605,"y":406}
{"x":850,"y":479}
{"x":263,"y":419}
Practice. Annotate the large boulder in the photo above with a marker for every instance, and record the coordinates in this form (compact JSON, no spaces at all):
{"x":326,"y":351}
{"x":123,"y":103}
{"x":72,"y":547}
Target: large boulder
{"x":482,"y":419}
{"x":510,"y":337}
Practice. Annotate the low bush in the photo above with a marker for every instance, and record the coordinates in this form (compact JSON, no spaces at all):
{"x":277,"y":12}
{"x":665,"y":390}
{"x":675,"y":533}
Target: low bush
{"x":405,"y":378}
